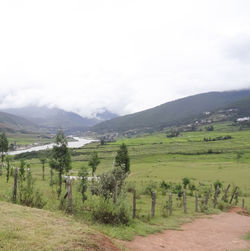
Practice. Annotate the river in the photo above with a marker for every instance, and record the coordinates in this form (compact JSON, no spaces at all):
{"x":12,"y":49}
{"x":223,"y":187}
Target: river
{"x":79,"y":142}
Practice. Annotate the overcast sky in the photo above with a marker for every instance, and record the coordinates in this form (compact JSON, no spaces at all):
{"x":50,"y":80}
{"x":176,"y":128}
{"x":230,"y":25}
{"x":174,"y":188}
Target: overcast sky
{"x":127,"y":55}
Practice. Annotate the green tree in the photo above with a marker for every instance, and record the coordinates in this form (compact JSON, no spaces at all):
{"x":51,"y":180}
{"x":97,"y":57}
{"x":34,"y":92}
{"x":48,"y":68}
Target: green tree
{"x":122,"y":158}
{"x":61,"y":158}
{"x":94,"y":162}
{"x":83,"y":174}
{"x":4,"y":145}
{"x":43,"y":161}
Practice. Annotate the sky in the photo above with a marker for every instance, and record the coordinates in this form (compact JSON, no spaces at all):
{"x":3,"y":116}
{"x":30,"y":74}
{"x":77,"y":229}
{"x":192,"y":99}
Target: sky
{"x":126,"y":55}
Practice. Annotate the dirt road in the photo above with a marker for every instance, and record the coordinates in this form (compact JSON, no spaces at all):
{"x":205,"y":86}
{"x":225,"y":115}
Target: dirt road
{"x":216,"y":233}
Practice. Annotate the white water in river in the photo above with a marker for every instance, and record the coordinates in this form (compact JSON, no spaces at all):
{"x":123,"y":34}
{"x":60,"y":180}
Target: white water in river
{"x":75,"y":144}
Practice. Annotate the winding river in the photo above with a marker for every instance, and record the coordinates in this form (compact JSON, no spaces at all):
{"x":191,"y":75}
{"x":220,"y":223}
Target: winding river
{"x":79,"y":142}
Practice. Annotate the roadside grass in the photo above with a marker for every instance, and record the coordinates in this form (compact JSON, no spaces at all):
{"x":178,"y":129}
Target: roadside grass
{"x":24,"y":228}
{"x":247,"y":236}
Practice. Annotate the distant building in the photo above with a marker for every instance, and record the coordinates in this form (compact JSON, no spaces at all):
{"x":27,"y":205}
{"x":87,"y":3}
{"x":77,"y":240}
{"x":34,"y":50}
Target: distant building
{"x":243,"y":119}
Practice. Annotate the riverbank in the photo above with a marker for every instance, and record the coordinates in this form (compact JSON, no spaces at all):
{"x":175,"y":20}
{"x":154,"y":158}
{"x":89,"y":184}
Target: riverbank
{"x":77,"y":143}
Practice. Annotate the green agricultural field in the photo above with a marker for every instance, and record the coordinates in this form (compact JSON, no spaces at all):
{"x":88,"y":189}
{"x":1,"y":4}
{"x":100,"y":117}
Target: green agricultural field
{"x":27,"y":139}
{"x":155,"y":158}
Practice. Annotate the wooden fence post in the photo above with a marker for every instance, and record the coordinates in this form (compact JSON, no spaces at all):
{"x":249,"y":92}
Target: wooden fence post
{"x":184,"y":201}
{"x":216,"y":193}
{"x":170,"y":202}
{"x":234,"y":192}
{"x":134,"y":204}
{"x":196,"y":203}
{"x":15,"y":185}
{"x":153,"y":195}
{"x":225,"y":194}
{"x":243,"y":203}
{"x":207,"y":197}
{"x":69,"y":194}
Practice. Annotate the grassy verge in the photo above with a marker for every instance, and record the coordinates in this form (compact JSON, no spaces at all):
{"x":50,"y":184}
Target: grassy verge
{"x":24,"y":228}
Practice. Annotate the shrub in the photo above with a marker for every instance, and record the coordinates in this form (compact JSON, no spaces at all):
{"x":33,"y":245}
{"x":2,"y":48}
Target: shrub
{"x":223,"y":206}
{"x":173,"y":134}
{"x":27,"y":195}
{"x":192,"y":188}
{"x":165,"y":209}
{"x":107,"y":212}
{"x":164,"y":185}
{"x":107,"y":182}
{"x":178,"y":190}
{"x":151,"y":187}
{"x":185,"y":182}
{"x":210,"y":128}
{"x":217,"y":184}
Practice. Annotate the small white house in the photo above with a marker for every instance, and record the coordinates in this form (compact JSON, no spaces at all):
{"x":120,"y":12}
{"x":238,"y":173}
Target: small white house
{"x":243,"y":119}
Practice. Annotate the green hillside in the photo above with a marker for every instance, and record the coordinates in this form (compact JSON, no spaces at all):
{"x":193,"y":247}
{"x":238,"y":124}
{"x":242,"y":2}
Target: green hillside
{"x":172,"y":113}
{"x":243,"y":106}
{"x":12,"y":123}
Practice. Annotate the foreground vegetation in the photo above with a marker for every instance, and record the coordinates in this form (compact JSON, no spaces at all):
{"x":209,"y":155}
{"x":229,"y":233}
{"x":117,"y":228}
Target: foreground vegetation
{"x":24,"y":228}
{"x":157,"y":163}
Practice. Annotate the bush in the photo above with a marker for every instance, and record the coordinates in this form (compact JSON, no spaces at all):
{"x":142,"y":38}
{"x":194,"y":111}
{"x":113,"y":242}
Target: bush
{"x":210,"y":128}
{"x":107,"y":183}
{"x":107,"y":212}
{"x":27,"y":195}
{"x":203,"y":207}
{"x":151,"y":187}
{"x":185,"y":182}
{"x":165,"y":209}
{"x":173,"y":134}
{"x":164,"y":185}
{"x":223,"y":206}
{"x":178,"y":190}
{"x":217,"y":184}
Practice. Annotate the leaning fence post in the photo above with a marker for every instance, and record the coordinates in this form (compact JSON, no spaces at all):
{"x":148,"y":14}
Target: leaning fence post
{"x":69,"y":194}
{"x":196,"y":203}
{"x":225,"y":194}
{"x":243,"y":203}
{"x":134,"y":204}
{"x":153,"y":195}
{"x":184,"y":201}
{"x":15,"y":185}
{"x":216,"y":195}
{"x":170,"y":204}
{"x":234,"y":192}
{"x":207,"y":197}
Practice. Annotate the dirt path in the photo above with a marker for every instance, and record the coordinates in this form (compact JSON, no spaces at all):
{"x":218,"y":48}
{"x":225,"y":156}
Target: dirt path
{"x":216,"y":233}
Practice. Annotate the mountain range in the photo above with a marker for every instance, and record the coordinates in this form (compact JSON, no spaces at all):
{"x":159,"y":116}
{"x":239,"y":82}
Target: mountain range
{"x":175,"y":113}
{"x":178,"y":112}
{"x":36,"y":118}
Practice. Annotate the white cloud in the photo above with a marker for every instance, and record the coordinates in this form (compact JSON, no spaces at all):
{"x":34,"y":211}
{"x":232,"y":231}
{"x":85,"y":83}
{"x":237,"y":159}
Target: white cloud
{"x":123,"y":55}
